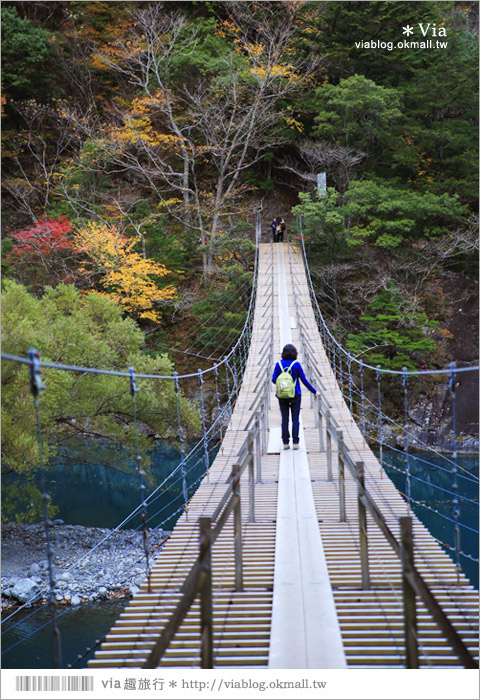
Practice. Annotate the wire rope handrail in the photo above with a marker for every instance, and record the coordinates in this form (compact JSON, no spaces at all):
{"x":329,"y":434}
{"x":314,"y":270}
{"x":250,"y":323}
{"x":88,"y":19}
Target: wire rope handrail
{"x":419,"y":443}
{"x":150,"y":498}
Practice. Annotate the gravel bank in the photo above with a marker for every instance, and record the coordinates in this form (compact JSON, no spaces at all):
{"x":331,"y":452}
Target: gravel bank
{"x":116,"y":568}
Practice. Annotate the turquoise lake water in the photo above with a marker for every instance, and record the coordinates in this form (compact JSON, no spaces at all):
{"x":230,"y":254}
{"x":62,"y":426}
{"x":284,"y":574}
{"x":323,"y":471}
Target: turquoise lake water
{"x":431,"y":489}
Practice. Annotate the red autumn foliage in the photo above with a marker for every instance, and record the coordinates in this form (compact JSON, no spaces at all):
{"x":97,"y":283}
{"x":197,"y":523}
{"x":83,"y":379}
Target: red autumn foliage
{"x":44,"y":252}
{"x":44,"y":239}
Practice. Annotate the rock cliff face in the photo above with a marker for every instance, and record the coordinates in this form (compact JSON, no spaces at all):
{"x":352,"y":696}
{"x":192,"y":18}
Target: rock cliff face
{"x":431,"y":419}
{"x":432,"y":416}
{"x":431,"y":413}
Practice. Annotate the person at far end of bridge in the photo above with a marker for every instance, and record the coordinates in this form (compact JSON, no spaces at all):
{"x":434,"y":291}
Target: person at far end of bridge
{"x":273,"y":226}
{"x":281,"y":226}
{"x":288,"y":371}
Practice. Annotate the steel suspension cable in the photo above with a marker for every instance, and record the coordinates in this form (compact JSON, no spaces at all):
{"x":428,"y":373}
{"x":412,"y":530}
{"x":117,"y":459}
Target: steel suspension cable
{"x":104,"y":539}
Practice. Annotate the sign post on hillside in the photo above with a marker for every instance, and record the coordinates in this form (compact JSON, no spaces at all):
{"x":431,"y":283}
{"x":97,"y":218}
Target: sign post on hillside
{"x":321,"y":183}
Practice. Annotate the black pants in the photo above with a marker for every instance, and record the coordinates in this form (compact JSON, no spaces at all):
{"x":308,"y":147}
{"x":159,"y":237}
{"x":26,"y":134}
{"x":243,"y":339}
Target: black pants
{"x":293,"y":406}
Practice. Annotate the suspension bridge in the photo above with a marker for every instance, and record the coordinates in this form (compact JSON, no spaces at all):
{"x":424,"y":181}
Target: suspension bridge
{"x":295,"y":559}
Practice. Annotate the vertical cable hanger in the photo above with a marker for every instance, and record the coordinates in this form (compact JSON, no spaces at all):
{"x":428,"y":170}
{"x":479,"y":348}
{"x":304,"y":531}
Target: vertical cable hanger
{"x":245,"y":347}
{"x":229,"y":396}
{"x":237,"y":361}
{"x":456,"y":511}
{"x":36,"y":386}
{"x":407,"y":459}
{"x":341,"y":372}
{"x":350,"y":382}
{"x":204,"y":425}
{"x":219,"y":409}
{"x":143,"y":513}
{"x":238,"y":364}
{"x":362,"y":398}
{"x":334,"y":360}
{"x":329,"y":348}
{"x":380,"y":435}
{"x":182,"y":451}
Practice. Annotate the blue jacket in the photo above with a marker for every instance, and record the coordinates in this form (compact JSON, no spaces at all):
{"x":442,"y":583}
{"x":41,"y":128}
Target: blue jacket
{"x":296,"y":372}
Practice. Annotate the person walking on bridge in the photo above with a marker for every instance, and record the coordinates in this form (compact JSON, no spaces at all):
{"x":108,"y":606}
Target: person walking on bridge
{"x":290,"y":397}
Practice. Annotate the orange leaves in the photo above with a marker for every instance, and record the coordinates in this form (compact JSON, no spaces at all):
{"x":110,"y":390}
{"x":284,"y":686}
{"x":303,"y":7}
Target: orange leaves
{"x":124,"y":274}
{"x":293,"y":6}
{"x":226,"y":29}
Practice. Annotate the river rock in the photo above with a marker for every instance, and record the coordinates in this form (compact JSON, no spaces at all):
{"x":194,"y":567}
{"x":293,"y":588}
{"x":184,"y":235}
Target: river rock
{"x":25,"y":589}
{"x":65,"y":576}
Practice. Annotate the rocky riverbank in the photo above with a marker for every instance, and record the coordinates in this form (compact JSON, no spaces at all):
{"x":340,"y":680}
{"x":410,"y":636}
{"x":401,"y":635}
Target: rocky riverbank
{"x":89,"y":563}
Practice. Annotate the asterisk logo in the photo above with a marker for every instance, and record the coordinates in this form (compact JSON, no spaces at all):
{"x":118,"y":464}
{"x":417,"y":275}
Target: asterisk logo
{"x":408,"y":30}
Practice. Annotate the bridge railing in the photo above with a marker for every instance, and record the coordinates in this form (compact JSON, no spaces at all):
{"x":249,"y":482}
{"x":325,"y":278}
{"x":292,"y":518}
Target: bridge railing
{"x":413,"y":583}
{"x":199,"y":579}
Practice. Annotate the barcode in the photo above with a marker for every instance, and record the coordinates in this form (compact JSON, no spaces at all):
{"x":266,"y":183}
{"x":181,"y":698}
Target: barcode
{"x":52,"y":683}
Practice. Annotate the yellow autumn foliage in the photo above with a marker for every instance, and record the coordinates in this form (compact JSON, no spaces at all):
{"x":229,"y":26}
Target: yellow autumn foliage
{"x":276,"y":71}
{"x":293,"y":124}
{"x":138,"y":130}
{"x":126,"y":276}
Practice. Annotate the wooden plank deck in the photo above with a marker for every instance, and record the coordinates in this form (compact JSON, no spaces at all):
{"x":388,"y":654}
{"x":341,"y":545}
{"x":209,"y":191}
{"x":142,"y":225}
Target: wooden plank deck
{"x":370,"y":622}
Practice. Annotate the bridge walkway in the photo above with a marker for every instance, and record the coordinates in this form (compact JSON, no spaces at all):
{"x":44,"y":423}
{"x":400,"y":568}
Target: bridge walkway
{"x":302,"y":603}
